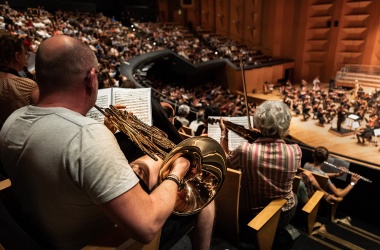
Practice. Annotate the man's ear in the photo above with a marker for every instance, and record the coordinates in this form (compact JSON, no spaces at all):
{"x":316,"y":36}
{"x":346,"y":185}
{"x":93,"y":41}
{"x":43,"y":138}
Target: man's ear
{"x":91,"y":79}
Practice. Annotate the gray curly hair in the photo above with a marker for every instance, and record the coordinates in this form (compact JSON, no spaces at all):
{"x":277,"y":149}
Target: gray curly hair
{"x":272,"y":118}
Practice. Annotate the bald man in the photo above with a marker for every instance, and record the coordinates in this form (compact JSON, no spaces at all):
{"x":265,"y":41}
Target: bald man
{"x":68,"y":172}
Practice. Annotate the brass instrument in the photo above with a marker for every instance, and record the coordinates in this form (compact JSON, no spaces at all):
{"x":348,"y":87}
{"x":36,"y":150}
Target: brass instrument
{"x":347,"y":171}
{"x":205,"y":177}
{"x":249,"y":134}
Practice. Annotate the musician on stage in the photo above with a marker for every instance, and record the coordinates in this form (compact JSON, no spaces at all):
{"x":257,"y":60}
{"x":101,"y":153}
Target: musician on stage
{"x":341,"y":112}
{"x":268,"y":164}
{"x":306,"y":107}
{"x":320,"y":155}
{"x":368,"y":131}
{"x":321,"y":116}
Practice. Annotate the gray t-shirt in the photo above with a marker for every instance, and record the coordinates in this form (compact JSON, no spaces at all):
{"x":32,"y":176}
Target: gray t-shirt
{"x":62,"y":166}
{"x":309,"y":167}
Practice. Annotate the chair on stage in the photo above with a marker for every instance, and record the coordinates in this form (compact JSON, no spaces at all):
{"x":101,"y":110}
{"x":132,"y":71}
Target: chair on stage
{"x":264,"y":224}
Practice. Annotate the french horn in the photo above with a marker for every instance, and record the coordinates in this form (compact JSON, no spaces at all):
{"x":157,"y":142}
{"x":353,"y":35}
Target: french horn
{"x":207,"y":171}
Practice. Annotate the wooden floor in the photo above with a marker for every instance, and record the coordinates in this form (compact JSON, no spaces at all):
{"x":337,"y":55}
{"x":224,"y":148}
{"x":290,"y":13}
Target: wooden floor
{"x":314,"y":135}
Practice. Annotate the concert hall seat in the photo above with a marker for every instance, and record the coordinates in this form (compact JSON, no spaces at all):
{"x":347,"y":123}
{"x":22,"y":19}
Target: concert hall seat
{"x":12,"y":235}
{"x":323,"y":181}
{"x":310,"y":210}
{"x":186,"y":130}
{"x":264,"y":224}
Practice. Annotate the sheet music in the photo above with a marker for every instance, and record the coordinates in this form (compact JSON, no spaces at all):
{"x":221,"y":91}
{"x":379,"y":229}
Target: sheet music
{"x":234,"y":140}
{"x":103,"y":100}
{"x":339,"y":163}
{"x":136,"y":101}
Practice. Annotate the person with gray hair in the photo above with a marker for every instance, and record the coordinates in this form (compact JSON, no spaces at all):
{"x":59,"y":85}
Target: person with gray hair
{"x":268,"y":165}
{"x":183,"y":111}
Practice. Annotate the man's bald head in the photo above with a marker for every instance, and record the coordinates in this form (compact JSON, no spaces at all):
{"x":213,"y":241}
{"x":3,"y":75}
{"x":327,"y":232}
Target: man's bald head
{"x":63,"y":62}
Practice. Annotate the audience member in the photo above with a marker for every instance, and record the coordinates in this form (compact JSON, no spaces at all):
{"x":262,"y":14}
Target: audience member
{"x":268,"y":164}
{"x":183,"y":112}
{"x":321,"y":155}
{"x":16,"y":91}
{"x":197,"y":122}
{"x":86,"y":164}
{"x":203,"y":128}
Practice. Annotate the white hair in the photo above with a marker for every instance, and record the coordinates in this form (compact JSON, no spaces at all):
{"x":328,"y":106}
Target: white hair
{"x":272,"y":118}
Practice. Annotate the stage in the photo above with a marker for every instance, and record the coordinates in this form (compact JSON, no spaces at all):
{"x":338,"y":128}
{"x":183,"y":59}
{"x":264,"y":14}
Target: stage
{"x":309,"y":133}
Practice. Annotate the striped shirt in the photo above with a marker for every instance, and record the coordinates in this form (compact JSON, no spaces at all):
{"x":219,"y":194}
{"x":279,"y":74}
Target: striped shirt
{"x":268,"y":168}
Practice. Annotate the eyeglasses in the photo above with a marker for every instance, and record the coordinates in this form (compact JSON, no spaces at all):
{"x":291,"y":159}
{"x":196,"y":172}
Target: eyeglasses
{"x":27,"y":55}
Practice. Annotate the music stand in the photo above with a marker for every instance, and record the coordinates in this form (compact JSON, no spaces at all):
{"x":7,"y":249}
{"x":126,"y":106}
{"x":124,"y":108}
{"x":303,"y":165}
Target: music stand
{"x":376,"y":132}
{"x":354,"y":123}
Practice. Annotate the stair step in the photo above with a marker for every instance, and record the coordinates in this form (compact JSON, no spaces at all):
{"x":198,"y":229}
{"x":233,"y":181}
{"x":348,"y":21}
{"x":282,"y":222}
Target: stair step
{"x":345,"y":236}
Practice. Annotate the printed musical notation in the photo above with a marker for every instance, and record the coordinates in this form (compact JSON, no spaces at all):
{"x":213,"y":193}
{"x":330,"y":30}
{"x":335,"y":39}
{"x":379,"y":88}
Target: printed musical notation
{"x":234,"y":139}
{"x":136,"y":101}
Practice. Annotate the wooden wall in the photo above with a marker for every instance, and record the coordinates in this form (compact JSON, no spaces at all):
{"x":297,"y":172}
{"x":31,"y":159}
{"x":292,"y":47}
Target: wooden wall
{"x":321,"y":36}
{"x":255,"y":78}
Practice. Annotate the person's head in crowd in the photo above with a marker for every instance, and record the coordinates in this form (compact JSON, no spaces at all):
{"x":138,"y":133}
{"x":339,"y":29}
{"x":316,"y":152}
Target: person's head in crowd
{"x":183,"y":110}
{"x":211,"y":111}
{"x":66,"y":70}
{"x":169,"y":111}
{"x":320,"y":155}
{"x":126,"y":83}
{"x":13,"y":54}
{"x":272,"y":118}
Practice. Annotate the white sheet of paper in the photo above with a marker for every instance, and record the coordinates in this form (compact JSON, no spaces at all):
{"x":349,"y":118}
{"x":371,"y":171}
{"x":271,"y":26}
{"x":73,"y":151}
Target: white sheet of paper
{"x":234,"y":140}
{"x":136,"y":101}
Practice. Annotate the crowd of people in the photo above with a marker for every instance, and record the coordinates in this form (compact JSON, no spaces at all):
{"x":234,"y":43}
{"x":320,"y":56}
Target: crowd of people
{"x":63,"y":186}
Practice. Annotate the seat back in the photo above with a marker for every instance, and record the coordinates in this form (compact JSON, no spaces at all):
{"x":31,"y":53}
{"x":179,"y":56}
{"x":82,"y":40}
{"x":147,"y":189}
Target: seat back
{"x":227,"y":208}
{"x":323,"y":183}
{"x":186,"y":130}
{"x":184,"y":136}
{"x":227,"y":214}
{"x":296,"y":183}
{"x":321,"y":179}
{"x":310,"y":210}
{"x":265,"y":224}
{"x":12,"y":235}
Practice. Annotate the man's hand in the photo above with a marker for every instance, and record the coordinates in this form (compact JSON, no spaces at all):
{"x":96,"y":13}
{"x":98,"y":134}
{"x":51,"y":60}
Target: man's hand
{"x":107,"y":121}
{"x":180,"y":167}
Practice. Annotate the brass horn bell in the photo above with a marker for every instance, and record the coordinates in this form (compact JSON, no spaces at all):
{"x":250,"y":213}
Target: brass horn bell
{"x":205,"y":177}
{"x":207,"y":172}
